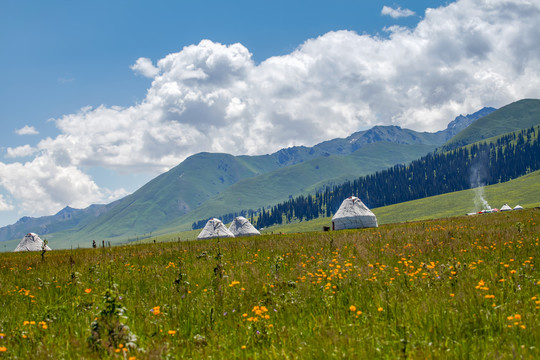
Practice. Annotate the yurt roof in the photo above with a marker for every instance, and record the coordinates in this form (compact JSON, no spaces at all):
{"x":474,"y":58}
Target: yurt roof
{"x":214,"y":228}
{"x":351,"y":207}
{"x":241,"y":226}
{"x":353,"y":214}
{"x":506,"y":207}
{"x":31,"y":242}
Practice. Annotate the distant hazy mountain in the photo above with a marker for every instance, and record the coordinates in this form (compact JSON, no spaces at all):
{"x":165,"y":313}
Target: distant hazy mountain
{"x":462,"y":122}
{"x":66,"y":218}
{"x":259,"y":181}
{"x":397,"y":135}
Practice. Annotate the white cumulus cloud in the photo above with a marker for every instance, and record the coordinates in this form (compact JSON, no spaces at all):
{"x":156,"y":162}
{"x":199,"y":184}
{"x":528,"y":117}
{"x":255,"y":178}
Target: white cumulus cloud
{"x":27,"y":130}
{"x":145,"y":67}
{"x":5,"y":205}
{"x":20,"y":151}
{"x":396,"y":13}
{"x":214,"y":97}
{"x":41,"y":186}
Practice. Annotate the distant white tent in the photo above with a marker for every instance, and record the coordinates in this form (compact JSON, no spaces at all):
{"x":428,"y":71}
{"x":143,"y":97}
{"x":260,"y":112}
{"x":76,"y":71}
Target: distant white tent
{"x":31,"y":242}
{"x":353,"y":214}
{"x":506,"y":207}
{"x":241,"y":226}
{"x":518,"y":207}
{"x":214,"y":228}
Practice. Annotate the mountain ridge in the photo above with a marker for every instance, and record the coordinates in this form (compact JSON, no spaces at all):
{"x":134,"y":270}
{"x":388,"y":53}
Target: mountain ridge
{"x":202,"y":176}
{"x":518,"y":115}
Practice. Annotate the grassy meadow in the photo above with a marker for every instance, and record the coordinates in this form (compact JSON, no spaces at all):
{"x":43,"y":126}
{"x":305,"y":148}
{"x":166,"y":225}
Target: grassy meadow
{"x":464,"y":287}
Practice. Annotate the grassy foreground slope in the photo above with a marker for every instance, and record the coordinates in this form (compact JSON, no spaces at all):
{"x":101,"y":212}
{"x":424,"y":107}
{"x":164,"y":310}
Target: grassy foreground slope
{"x":465,"y":287}
{"x":524,"y":191}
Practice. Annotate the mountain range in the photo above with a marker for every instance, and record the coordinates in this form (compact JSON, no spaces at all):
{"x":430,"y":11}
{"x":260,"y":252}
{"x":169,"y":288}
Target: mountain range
{"x":208,"y":184}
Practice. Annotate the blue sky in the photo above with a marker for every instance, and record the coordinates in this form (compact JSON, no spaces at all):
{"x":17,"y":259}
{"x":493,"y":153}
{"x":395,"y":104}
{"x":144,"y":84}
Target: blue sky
{"x":99,"y":97}
{"x":59,"y":56}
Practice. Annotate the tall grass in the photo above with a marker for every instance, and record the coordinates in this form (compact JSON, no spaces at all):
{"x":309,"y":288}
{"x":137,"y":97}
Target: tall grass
{"x":451,"y":288}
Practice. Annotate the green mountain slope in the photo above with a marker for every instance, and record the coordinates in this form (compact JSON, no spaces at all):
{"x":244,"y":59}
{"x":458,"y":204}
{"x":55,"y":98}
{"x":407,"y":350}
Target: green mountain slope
{"x":157,"y":204}
{"x":524,"y":191}
{"x":170,"y":195}
{"x":518,"y":115}
{"x":278,"y":185}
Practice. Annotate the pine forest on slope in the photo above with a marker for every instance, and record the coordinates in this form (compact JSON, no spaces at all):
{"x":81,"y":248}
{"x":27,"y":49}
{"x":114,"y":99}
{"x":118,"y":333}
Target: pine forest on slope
{"x":524,"y":190}
{"x":485,"y":163}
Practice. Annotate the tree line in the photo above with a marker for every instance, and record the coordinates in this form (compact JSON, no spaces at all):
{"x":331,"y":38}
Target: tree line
{"x":227,"y":218}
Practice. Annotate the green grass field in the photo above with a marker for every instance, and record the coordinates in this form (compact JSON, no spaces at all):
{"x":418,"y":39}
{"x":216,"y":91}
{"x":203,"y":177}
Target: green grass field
{"x":466,"y":287}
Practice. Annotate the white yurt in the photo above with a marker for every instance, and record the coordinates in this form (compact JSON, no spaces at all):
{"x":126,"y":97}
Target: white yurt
{"x":241,"y":226}
{"x":506,"y":207}
{"x":31,"y":242}
{"x":214,"y":228}
{"x":353,"y":214}
{"x":518,"y":207}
